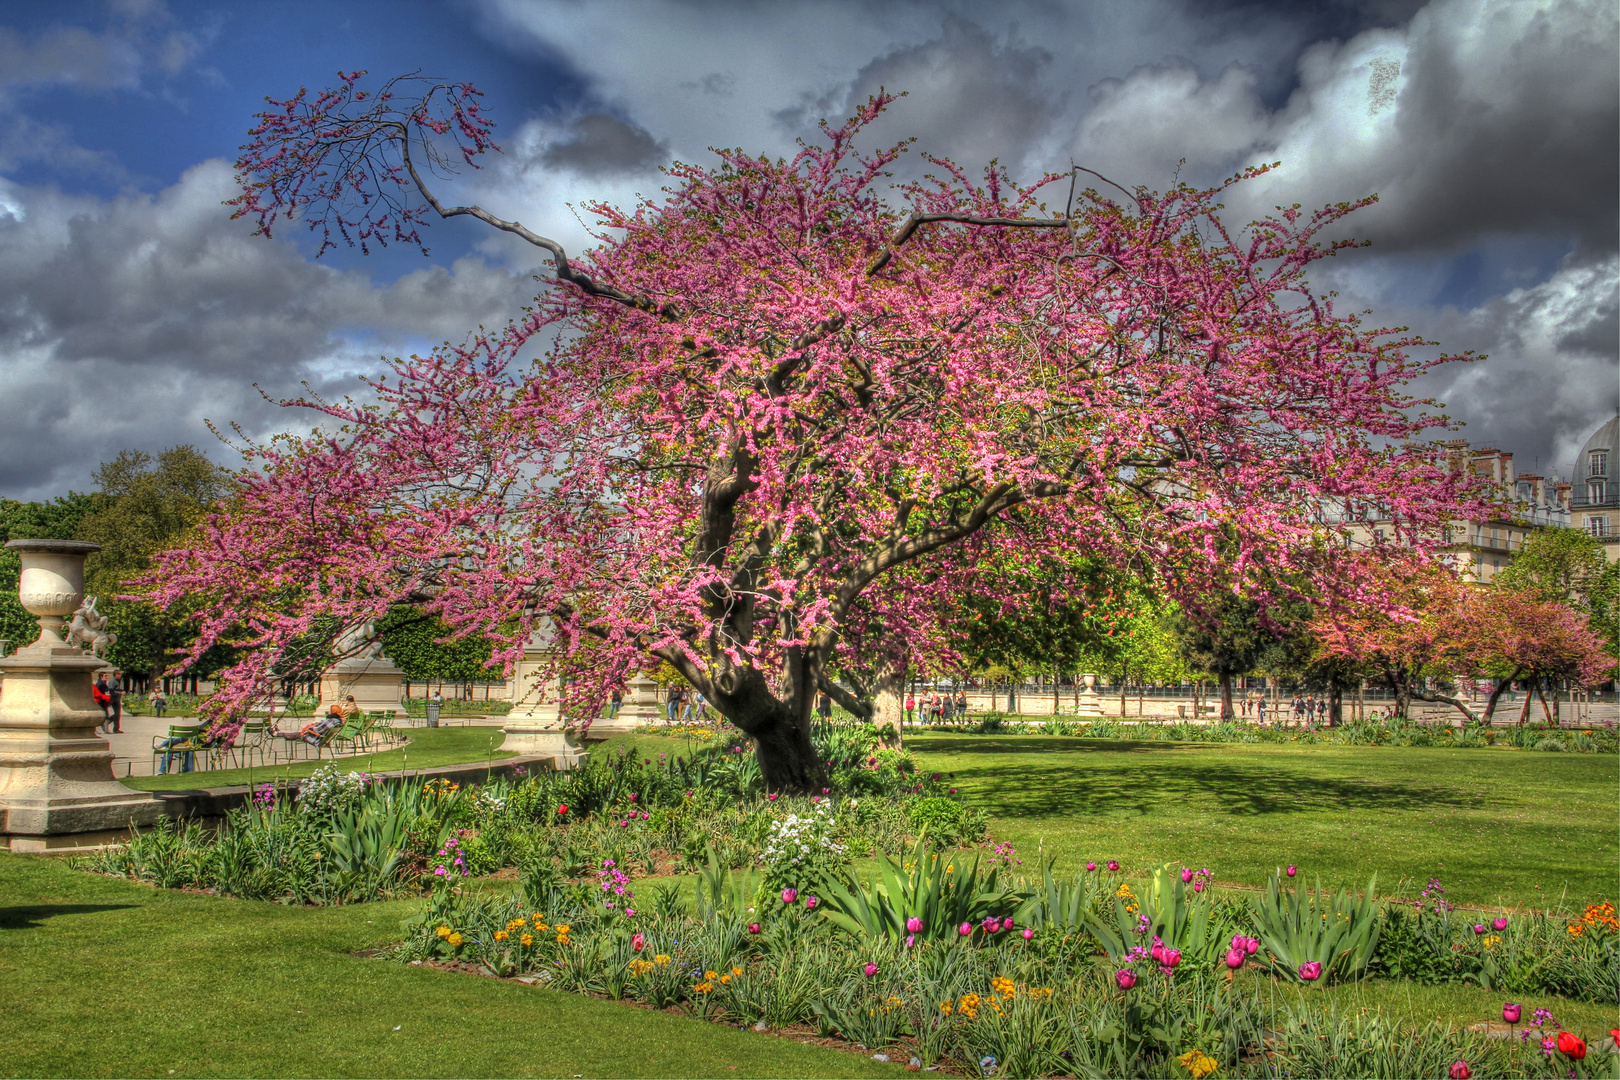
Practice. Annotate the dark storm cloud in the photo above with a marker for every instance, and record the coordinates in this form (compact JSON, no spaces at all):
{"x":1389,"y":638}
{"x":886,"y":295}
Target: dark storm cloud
{"x":601,"y":145}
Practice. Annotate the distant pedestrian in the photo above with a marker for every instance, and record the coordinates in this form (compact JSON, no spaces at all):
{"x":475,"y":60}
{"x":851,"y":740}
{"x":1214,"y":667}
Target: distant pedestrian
{"x":1260,"y":710}
{"x":824,"y":706}
{"x":615,"y":703}
{"x":701,"y":706}
{"x":911,"y":707}
{"x":949,"y":708}
{"x":158,"y":701}
{"x":961,"y":704}
{"x":115,"y":703}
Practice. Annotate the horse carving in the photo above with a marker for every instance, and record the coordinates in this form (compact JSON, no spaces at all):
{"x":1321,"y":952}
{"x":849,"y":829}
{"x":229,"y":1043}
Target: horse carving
{"x":88,"y":629}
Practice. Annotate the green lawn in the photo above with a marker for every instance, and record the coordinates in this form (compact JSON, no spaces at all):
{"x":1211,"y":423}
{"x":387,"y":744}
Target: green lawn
{"x":1497,"y":826}
{"x":428,"y":748}
{"x":110,"y":978}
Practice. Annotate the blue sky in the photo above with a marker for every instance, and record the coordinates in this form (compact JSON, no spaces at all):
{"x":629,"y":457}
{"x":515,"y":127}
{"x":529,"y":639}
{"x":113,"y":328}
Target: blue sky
{"x":134,"y":310}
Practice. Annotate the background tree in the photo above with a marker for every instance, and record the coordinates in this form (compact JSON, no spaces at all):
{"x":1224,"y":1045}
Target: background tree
{"x":1515,"y":635}
{"x":1226,"y":637}
{"x":769,"y":391}
{"x":1567,"y":566}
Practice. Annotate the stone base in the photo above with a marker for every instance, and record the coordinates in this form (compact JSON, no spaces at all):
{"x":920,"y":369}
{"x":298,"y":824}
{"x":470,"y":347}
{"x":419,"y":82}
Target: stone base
{"x":55,"y":770}
{"x":375,"y":683}
{"x":1089,"y":707}
{"x":85,"y":843}
{"x":546,"y":741}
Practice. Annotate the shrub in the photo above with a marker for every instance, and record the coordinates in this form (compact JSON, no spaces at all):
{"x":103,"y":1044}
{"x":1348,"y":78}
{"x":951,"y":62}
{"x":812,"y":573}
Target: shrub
{"x":1337,"y":934}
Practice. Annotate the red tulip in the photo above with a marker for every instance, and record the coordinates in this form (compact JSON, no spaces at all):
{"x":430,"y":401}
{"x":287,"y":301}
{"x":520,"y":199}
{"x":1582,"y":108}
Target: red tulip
{"x":1570,"y":1046}
{"x":753,"y":928}
{"x":1459,"y":1070}
{"x":638,"y":942}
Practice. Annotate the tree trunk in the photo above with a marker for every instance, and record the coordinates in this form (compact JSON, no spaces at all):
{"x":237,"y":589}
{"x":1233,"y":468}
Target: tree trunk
{"x":1543,"y":697}
{"x":1495,"y":696}
{"x":1012,"y":698}
{"x":1226,"y":696}
{"x":889,"y":697}
{"x":1529,"y":699}
{"x":1335,"y":705}
{"x":787,"y":759}
{"x":1445,"y":699}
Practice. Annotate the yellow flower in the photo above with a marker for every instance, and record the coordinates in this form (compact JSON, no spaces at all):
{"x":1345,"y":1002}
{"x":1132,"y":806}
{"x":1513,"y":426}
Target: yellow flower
{"x":710,"y":975}
{"x":1124,"y":890}
{"x":703,"y":987}
{"x":515,"y":923}
{"x":1492,"y":941}
{"x":1576,"y":929}
{"x":527,"y":940}
{"x":736,"y":971}
{"x":945,"y":1007}
{"x":500,"y":935}
{"x":563,"y":928}
{"x":562,"y":939}
{"x":968,"y":1006}
{"x":541,"y":928}
{"x":661,"y":959}
{"x":1003,"y":986}
{"x":725,"y":980}
{"x":638,"y":968}
{"x":1198,"y":1063}
{"x":443,"y":931}
{"x":1040,"y":992}
{"x":454,"y":939}
{"x":537,"y":916}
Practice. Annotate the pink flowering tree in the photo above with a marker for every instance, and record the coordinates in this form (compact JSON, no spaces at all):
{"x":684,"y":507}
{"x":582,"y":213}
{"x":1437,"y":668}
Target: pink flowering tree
{"x":780,"y":411}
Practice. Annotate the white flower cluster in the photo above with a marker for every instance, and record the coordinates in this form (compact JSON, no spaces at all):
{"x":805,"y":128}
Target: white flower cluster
{"x":795,"y":839}
{"x":327,"y":791}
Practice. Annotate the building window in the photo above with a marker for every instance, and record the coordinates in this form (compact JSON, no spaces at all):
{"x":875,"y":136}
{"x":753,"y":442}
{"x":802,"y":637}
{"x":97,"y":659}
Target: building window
{"x":1600,"y":463}
{"x":1598,"y":526}
{"x":1594,"y":492}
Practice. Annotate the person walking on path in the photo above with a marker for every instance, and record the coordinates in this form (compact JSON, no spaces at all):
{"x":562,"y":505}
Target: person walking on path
{"x":911,"y":706}
{"x":961,"y":704}
{"x":102,"y":698}
{"x":115,"y":703}
{"x":824,"y":706}
{"x":615,"y":703}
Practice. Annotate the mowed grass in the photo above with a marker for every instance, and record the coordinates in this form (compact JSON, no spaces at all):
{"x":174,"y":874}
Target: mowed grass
{"x":427,"y":748}
{"x":110,"y":978}
{"x":1496,"y":826}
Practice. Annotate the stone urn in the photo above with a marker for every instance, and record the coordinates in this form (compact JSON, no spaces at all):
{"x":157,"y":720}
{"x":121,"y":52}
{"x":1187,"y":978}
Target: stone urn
{"x":55,"y":770}
{"x":1089,"y":705}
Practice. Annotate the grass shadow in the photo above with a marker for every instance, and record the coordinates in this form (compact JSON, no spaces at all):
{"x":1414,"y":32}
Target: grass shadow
{"x":30,"y":916}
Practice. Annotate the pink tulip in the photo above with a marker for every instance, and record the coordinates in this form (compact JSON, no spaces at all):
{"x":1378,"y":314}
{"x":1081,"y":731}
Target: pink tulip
{"x":1113,"y":864}
{"x":965,"y":929}
{"x":1459,"y":1070}
{"x":1479,"y":928}
{"x":870,"y":969}
{"x":1198,"y":886}
{"x":1007,"y":923}
{"x":1125,"y":977}
{"x":1510,"y":1012}
{"x":753,"y":928}
{"x":1311,"y":971}
{"x":1157,"y":952}
{"x":1028,"y":933}
{"x":1292,"y":871}
{"x":638,"y":942}
{"x":1499,"y":923}
{"x":789,"y":895}
{"x":810,"y":903}
{"x":1170,"y":958}
{"x":1091,"y":866}
{"x":771,"y":797}
{"x":1235,"y":957}
{"x":1186,"y":875}
{"x":1251,"y":945}
{"x":911,"y":939}
{"x":914,"y":925}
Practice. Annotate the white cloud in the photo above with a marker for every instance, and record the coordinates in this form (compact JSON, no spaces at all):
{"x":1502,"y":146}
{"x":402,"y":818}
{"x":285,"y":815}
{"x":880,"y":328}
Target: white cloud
{"x":127,"y":322}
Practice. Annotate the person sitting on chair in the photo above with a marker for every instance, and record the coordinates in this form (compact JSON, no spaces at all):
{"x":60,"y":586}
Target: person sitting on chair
{"x":334,"y":718}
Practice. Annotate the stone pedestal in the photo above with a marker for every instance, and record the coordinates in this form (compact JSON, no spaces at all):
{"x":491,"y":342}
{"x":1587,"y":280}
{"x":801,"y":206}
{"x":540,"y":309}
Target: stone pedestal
{"x":55,"y":770}
{"x":547,"y":739}
{"x":373,"y":680}
{"x":1089,"y":706}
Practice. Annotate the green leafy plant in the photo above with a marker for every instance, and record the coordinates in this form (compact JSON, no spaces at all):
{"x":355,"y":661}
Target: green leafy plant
{"x":926,"y":892}
{"x":1338,"y":934}
{"x":1167,"y":908}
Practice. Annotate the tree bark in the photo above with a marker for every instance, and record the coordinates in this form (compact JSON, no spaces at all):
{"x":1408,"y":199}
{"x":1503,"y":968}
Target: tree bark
{"x":1445,"y":699}
{"x":1495,"y":696}
{"x":1335,"y":705}
{"x":787,"y":759}
{"x":1225,"y":678}
{"x":889,"y":698}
